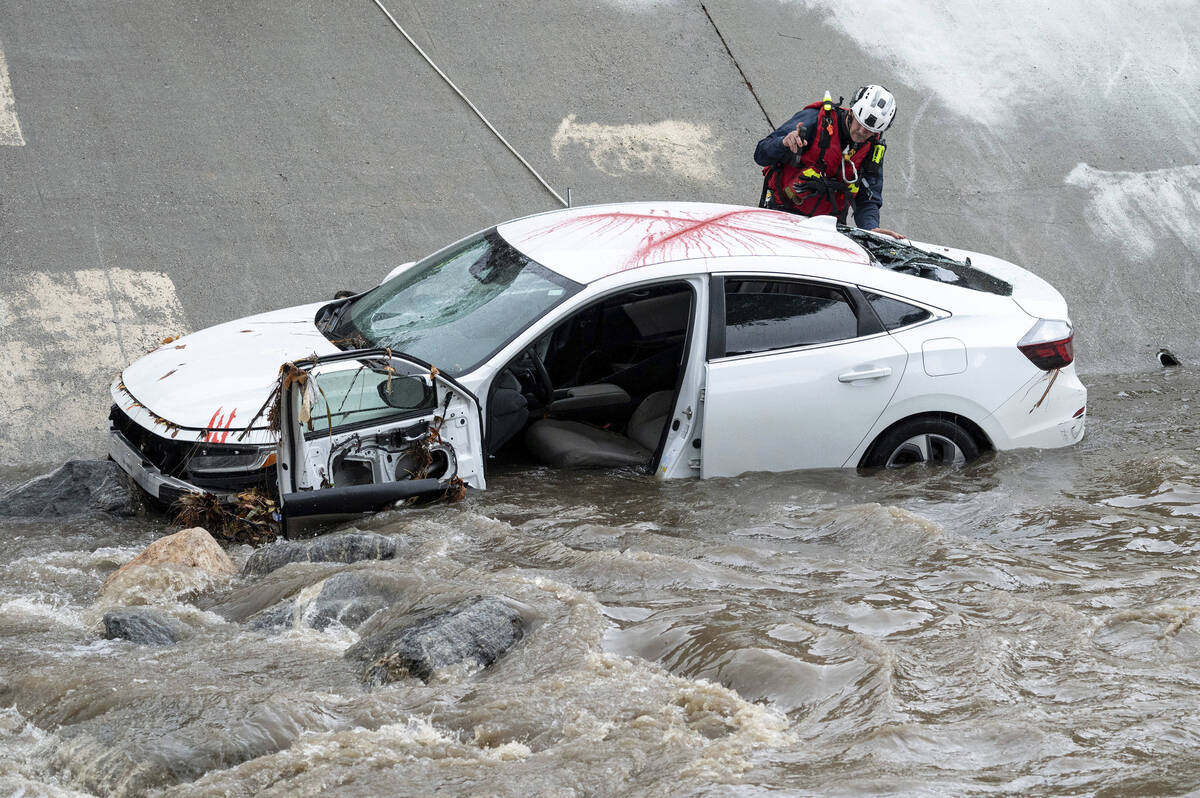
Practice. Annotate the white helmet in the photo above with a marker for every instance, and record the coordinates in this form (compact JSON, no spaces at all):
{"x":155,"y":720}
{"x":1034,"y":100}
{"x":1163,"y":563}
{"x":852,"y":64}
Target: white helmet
{"x":874,"y":107}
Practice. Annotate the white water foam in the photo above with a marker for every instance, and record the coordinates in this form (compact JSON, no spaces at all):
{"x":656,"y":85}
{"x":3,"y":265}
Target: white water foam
{"x":983,"y":60}
{"x":1138,"y":210}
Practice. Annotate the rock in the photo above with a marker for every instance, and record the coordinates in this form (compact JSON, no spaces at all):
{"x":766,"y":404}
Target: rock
{"x":479,"y":631}
{"x":351,"y":597}
{"x":144,"y":626}
{"x":75,"y":488}
{"x":191,"y":548}
{"x":348,"y":598}
{"x":332,"y":548}
{"x":274,"y":617}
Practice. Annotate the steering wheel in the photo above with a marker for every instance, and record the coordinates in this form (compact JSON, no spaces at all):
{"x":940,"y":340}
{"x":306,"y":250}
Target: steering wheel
{"x":544,"y":387}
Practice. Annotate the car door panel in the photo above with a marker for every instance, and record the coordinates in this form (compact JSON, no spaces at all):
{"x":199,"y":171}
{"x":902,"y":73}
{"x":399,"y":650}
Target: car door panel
{"x":796,"y":409}
{"x":362,"y":430}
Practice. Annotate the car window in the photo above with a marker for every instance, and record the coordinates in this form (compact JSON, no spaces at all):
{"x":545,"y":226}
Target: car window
{"x":456,"y":308}
{"x":761,"y":315}
{"x":352,"y":396}
{"x":895,"y":314}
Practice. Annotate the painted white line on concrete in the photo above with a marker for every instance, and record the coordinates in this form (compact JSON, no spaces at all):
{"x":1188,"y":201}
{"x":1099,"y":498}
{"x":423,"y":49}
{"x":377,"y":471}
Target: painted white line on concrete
{"x":684,"y":148}
{"x":10,"y":129}
{"x":1136,"y":210}
{"x":62,"y":338}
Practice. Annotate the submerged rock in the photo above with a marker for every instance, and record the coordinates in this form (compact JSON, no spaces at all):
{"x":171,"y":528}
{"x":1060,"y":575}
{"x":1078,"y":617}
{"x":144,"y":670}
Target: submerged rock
{"x":274,"y":617}
{"x":75,"y":488}
{"x":144,"y":626}
{"x":333,"y":548}
{"x":478,"y":631}
{"x":348,"y":598}
{"x":351,"y":597}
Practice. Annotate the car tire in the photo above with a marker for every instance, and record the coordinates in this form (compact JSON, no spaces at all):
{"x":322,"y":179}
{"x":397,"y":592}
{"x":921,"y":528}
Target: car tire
{"x":928,"y":441}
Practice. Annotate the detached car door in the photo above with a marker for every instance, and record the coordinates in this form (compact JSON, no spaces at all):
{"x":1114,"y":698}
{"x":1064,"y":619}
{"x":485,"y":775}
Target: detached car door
{"x":798,"y":371}
{"x":362,"y":430}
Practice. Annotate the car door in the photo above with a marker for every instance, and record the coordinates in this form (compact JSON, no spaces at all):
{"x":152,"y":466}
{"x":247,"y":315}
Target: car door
{"x":362,"y":430}
{"x":798,"y":371}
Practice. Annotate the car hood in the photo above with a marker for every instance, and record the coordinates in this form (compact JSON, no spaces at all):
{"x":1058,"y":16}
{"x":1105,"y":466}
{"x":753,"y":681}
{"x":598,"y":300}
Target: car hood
{"x":220,"y":377}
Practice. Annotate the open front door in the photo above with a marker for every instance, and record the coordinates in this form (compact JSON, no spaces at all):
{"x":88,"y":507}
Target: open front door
{"x":360,"y":431}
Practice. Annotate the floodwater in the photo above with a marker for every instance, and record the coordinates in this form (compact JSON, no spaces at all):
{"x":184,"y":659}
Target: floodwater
{"x":1029,"y":624}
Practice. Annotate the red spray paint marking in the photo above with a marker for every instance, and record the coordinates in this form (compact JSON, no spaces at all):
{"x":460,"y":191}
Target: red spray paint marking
{"x":715,"y":235}
{"x":218,"y":426}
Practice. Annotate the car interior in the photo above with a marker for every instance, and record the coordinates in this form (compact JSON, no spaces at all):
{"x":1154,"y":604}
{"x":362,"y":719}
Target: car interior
{"x":598,"y":389}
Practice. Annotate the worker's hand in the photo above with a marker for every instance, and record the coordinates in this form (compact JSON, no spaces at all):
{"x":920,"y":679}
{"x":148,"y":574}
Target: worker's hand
{"x":794,"y":141}
{"x":884,"y":232}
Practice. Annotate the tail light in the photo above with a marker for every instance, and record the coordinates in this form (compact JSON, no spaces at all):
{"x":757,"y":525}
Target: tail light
{"x":1049,"y":344}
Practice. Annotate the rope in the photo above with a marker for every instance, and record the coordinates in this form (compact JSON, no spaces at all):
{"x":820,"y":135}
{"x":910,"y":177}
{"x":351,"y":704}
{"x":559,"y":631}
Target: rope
{"x":465,"y":99}
{"x":733,"y":58}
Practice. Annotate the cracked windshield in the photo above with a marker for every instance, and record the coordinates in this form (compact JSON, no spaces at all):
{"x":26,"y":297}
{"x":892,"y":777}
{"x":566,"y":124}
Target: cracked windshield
{"x":458,"y":307}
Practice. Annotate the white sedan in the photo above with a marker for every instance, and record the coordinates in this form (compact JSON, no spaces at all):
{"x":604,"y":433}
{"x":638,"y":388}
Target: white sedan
{"x":687,"y":339}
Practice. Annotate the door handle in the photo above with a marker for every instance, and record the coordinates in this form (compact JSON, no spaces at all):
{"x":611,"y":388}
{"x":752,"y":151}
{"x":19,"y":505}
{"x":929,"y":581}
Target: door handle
{"x":865,"y":374}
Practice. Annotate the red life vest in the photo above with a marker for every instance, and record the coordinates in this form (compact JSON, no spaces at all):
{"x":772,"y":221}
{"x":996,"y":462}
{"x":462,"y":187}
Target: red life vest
{"x":826,"y":175}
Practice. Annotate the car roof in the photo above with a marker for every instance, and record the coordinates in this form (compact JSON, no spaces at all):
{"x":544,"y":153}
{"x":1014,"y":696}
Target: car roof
{"x":589,"y":243}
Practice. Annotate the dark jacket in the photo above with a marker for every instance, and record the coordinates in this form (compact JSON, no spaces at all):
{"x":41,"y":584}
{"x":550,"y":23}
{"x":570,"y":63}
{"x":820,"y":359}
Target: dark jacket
{"x":770,"y":151}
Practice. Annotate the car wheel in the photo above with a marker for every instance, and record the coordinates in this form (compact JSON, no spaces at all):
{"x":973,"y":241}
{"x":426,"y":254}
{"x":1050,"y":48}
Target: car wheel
{"x":928,"y":441}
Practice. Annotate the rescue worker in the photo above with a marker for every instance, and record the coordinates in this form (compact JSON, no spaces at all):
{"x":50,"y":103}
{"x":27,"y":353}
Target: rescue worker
{"x":828,"y":157}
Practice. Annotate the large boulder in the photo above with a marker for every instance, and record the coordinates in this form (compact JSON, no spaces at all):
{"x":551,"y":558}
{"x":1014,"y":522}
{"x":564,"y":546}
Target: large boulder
{"x":185,"y":562}
{"x":143,"y":625}
{"x":75,"y":488}
{"x":478,"y":631}
{"x":346,"y":548}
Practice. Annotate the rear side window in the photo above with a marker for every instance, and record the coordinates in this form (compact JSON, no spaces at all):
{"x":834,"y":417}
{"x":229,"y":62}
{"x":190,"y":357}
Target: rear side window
{"x":895,"y":314}
{"x":762,"y":315}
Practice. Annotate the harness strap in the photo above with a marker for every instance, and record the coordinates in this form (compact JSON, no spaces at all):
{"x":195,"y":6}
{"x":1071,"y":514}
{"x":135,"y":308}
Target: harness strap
{"x":826,"y":119}
{"x":814,"y":184}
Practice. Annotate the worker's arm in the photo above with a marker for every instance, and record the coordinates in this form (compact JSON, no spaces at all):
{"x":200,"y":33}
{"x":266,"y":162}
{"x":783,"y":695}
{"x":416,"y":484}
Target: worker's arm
{"x":867,"y":205}
{"x":772,"y":150}
{"x":866,"y":210}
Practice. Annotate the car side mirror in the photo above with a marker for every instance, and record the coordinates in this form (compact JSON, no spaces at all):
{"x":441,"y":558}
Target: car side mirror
{"x":405,"y":393}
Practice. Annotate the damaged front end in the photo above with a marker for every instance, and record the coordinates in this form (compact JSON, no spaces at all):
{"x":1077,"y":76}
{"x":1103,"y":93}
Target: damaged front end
{"x":345,"y":433}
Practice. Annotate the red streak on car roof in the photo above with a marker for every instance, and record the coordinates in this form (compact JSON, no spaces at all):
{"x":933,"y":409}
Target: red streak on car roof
{"x":712,"y":236}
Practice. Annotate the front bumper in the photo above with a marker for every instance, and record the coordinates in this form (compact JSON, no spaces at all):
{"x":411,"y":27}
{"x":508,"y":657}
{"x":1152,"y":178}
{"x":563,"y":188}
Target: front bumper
{"x":159,"y":485}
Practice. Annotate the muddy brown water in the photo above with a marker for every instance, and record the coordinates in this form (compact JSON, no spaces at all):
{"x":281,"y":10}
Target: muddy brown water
{"x":1029,"y":624}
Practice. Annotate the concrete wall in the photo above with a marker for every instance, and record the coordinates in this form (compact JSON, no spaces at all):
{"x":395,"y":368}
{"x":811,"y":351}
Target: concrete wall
{"x":165,"y":165}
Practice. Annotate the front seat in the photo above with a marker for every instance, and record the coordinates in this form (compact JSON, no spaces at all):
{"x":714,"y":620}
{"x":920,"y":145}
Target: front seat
{"x":573,"y":444}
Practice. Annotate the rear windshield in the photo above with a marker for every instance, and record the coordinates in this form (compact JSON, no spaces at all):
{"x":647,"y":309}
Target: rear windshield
{"x":455,"y":308}
{"x":900,"y":257}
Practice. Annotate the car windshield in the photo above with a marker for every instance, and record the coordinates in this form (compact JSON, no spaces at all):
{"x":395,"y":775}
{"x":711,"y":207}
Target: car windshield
{"x":457,"y":307}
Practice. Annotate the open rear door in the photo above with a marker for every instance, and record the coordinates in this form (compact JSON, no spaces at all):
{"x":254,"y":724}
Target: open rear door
{"x":362,"y":430}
